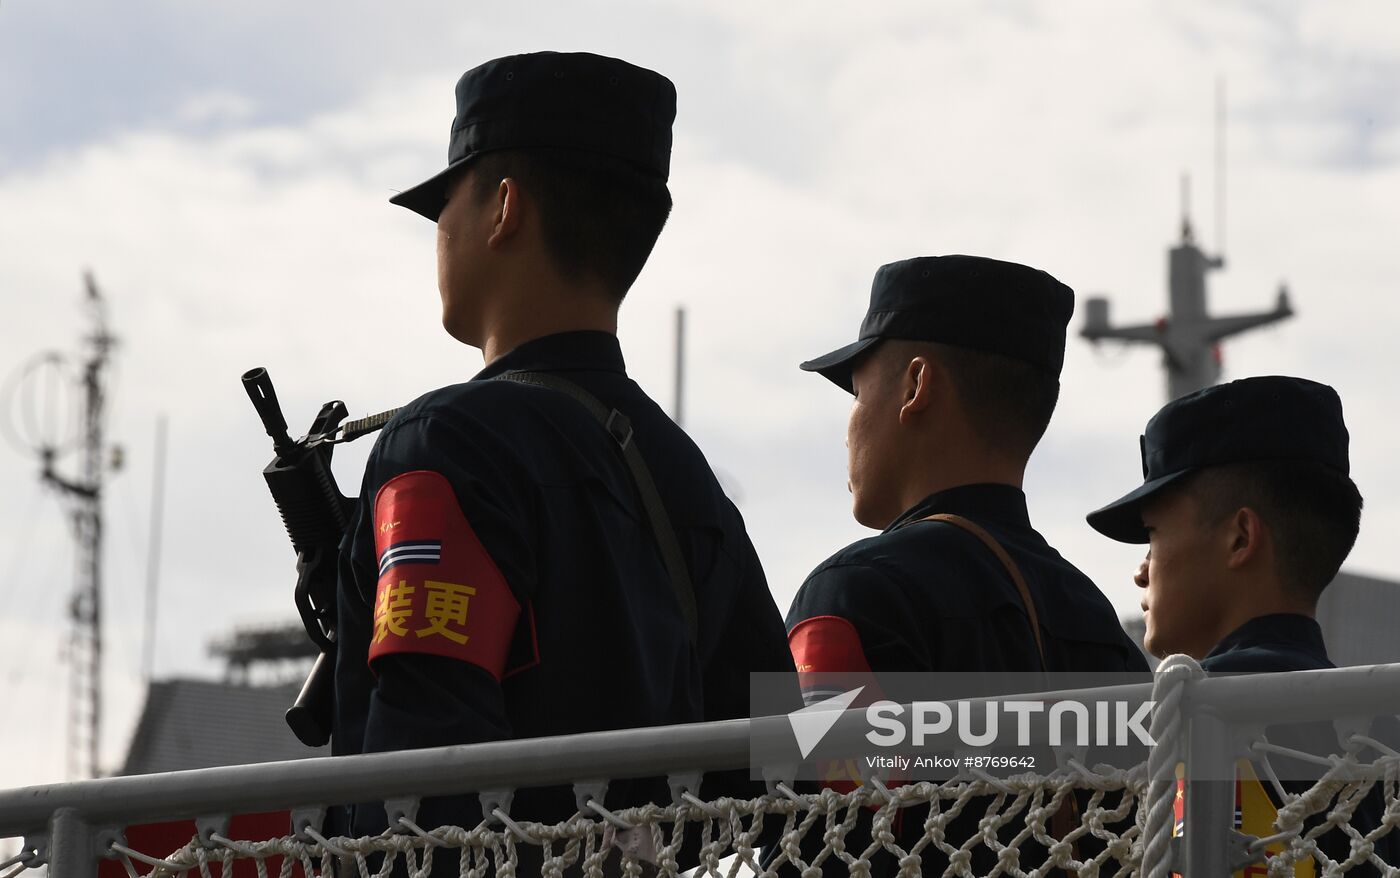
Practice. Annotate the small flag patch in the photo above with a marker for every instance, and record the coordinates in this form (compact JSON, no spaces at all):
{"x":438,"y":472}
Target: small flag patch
{"x":410,"y":552}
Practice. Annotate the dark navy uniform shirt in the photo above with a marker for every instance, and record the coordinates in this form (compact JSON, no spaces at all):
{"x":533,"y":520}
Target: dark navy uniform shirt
{"x":929,"y":596}
{"x":1277,"y":642}
{"x":501,"y":580}
{"x":1292,"y":642}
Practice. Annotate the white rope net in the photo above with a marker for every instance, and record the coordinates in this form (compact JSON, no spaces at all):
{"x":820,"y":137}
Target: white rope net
{"x":1334,"y":800}
{"x":823,"y":830}
{"x":1009,"y":813}
{"x":1120,"y":822}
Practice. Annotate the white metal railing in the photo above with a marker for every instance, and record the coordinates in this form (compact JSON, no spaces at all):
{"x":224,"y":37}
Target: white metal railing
{"x":70,"y":826}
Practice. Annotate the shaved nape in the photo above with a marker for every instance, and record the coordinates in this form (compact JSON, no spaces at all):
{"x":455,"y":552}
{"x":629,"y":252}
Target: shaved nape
{"x":1312,"y":512}
{"x":600,"y":216}
{"x":1008,"y":403}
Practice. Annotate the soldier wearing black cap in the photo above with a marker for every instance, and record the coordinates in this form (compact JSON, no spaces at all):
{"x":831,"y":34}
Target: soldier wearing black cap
{"x":541,"y":550}
{"x":1248,"y":510}
{"x":955,"y":376}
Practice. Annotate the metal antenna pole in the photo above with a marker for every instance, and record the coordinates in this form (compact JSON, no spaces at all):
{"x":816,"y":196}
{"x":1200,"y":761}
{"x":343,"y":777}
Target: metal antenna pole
{"x":1220,"y":166}
{"x":680,"y":365}
{"x":148,"y":646}
{"x":85,"y":609}
{"x":1186,"y":234}
{"x":87,"y":612}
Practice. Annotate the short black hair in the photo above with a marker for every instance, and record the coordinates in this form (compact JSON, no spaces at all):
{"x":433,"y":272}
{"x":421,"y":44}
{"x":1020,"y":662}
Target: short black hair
{"x":600,"y":215}
{"x":1008,"y":402}
{"x":1312,"y":510}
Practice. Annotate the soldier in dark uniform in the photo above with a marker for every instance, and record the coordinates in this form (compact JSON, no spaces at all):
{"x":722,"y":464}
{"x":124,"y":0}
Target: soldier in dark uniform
{"x":1248,"y":511}
{"x":506,"y":575}
{"x":955,"y":376}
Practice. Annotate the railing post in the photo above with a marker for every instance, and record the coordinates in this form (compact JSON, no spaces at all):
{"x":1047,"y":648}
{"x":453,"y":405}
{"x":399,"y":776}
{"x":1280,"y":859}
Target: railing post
{"x":1210,"y":798}
{"x":71,"y":853}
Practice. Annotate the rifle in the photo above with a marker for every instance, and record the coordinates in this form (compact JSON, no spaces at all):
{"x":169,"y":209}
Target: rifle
{"x":316,"y":516}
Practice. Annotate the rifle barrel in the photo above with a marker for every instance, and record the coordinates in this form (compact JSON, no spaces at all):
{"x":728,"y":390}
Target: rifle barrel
{"x":258,"y":384}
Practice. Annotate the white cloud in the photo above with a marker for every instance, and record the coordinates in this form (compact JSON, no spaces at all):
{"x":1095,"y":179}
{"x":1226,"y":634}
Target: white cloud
{"x":216,"y":107}
{"x":1364,"y":29}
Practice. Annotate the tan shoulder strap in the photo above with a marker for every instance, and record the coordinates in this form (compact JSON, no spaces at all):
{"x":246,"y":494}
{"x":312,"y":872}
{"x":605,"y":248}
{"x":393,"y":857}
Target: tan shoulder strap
{"x":1063,"y":821}
{"x":1005,"y":558}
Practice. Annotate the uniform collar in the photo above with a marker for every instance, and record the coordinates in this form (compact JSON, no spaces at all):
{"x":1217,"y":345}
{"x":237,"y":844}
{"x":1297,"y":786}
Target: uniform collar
{"x":1005,"y":503}
{"x":1298,"y":633}
{"x":581,"y":351}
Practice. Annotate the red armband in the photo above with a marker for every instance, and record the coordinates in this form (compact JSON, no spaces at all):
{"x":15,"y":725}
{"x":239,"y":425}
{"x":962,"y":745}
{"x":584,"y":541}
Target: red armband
{"x":439,"y":591}
{"x":829,"y":656}
{"x":827,"y":644}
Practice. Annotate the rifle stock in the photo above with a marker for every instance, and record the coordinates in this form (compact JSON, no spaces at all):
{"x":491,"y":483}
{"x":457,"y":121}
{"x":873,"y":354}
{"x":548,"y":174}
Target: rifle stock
{"x":310,"y":715}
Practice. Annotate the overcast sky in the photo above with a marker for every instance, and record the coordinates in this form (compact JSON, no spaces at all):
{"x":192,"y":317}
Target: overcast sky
{"x":223,"y":169}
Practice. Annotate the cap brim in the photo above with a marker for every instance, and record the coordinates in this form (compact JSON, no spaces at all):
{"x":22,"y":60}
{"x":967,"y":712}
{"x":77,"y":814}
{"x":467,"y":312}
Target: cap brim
{"x":427,"y":198}
{"x":1121,"y":520}
{"x":837,"y":366}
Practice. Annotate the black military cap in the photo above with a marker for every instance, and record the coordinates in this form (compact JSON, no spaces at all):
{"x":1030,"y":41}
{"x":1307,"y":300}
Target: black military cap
{"x":963,"y":301}
{"x":1269,"y":418}
{"x":573,"y":101}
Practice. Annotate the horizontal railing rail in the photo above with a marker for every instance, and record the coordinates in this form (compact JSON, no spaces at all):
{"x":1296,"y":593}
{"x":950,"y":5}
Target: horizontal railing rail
{"x":681,"y":751}
{"x":439,"y":771}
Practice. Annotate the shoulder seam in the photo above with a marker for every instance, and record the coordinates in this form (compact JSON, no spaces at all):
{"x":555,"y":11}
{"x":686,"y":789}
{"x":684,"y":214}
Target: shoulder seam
{"x":882,"y":570}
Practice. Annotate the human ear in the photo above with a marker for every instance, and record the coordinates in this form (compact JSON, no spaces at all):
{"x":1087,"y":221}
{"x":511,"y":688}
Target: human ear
{"x":1244,"y":534}
{"x":508,"y":215}
{"x":917,"y":387}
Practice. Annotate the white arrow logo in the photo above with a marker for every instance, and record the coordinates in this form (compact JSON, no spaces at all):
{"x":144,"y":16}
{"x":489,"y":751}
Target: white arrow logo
{"x":811,"y":723}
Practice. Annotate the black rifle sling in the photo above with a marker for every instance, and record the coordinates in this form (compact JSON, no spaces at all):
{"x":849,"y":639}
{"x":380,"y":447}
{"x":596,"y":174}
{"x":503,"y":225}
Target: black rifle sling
{"x":619,"y":427}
